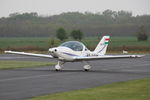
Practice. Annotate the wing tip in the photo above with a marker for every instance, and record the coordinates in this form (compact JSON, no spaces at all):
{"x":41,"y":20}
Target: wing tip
{"x":137,"y":56}
{"x":8,"y":51}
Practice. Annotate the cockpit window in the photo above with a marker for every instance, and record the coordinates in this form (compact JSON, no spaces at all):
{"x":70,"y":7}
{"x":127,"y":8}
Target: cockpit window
{"x":74,"y":45}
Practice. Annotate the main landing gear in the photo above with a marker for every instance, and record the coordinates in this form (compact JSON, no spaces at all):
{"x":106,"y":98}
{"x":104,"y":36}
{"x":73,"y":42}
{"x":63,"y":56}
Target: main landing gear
{"x":86,"y":67}
{"x":59,"y":66}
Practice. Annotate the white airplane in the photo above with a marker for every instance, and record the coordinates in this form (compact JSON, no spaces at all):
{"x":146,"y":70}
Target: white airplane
{"x":74,"y":51}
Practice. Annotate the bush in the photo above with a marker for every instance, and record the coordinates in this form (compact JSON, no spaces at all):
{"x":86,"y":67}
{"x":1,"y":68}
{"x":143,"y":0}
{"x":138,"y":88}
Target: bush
{"x":141,"y":34}
{"x":77,"y":34}
{"x":61,"y":34}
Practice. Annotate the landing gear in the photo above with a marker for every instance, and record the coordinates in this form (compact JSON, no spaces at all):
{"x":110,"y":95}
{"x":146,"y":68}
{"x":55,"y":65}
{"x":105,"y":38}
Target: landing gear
{"x":59,"y":66}
{"x":86,"y":67}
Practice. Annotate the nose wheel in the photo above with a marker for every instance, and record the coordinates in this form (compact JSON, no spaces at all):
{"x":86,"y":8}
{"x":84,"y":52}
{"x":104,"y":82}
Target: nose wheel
{"x":86,"y":70}
{"x":59,"y":66}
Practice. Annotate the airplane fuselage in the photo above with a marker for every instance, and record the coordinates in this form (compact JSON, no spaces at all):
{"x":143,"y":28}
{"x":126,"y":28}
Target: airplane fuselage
{"x":67,"y":54}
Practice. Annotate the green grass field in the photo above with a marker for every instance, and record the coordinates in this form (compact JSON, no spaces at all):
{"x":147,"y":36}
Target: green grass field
{"x":22,"y":64}
{"x":43,"y":43}
{"x":21,"y":41}
{"x":130,"y":90}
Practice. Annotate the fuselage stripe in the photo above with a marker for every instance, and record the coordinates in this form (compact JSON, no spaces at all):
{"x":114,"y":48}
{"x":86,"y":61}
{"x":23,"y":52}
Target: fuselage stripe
{"x":69,"y":54}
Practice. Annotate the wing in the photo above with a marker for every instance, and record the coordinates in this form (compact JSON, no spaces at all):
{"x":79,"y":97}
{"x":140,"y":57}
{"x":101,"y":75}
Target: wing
{"x":29,"y":54}
{"x":79,"y":58}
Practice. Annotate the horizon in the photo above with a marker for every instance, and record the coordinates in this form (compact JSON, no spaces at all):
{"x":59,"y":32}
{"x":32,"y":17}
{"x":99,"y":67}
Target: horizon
{"x":56,"y":7}
{"x":46,"y":15}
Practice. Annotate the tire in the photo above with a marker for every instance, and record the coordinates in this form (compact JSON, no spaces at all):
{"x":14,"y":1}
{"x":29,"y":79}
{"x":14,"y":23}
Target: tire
{"x":86,"y":70}
{"x":56,"y":70}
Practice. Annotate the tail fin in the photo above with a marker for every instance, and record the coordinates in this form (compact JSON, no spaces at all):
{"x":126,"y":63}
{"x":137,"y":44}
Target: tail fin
{"x":102,"y":45}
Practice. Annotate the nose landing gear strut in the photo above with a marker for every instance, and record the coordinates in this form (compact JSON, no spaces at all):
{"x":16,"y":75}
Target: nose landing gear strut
{"x":59,"y":65}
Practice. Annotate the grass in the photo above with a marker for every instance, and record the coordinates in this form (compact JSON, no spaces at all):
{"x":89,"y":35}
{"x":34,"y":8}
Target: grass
{"x":43,"y":43}
{"x":21,"y":41}
{"x":22,"y":64}
{"x":130,"y":90}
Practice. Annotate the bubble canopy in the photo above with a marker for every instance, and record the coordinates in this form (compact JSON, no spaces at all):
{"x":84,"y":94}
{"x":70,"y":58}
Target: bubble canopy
{"x":74,"y":45}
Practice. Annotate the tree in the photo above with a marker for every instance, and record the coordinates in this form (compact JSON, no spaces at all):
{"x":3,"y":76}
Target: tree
{"x":61,"y":34}
{"x":14,"y":14}
{"x":77,"y":34}
{"x":141,"y":34}
{"x":124,"y":14}
{"x":108,"y":13}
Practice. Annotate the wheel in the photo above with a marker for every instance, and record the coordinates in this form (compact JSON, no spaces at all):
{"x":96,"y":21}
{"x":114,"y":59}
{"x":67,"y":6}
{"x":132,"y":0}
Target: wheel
{"x":58,"y":67}
{"x":87,"y":67}
{"x":57,"y":70}
{"x":86,"y":70}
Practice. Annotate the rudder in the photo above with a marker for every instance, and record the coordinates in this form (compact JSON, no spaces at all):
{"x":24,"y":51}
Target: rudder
{"x":102,"y":45}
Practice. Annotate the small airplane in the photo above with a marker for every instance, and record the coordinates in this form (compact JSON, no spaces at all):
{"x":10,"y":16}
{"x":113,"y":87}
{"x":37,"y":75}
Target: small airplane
{"x":74,"y":51}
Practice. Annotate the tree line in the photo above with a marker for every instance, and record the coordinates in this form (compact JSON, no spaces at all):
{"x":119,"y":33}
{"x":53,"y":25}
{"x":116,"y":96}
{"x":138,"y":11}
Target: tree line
{"x":113,"y":23}
{"x":62,"y":34}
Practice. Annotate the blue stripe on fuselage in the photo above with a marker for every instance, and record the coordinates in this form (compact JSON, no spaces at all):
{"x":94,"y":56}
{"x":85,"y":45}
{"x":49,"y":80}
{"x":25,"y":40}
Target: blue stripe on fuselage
{"x":69,"y":54}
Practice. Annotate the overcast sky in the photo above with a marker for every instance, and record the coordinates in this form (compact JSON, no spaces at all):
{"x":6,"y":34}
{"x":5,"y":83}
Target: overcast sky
{"x":51,"y":7}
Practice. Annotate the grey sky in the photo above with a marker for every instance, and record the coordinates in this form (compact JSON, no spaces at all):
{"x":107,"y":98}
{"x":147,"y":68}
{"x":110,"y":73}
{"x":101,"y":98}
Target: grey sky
{"x":51,"y":7}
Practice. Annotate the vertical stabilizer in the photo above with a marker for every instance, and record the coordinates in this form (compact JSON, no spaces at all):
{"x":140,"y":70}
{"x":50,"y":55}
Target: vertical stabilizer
{"x":102,"y":45}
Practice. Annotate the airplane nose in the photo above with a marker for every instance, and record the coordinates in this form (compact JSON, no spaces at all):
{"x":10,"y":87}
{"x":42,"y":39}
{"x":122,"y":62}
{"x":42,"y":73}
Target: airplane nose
{"x":52,"y":50}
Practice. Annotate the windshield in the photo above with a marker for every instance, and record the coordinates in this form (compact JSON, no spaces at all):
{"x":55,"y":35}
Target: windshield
{"x":74,"y":45}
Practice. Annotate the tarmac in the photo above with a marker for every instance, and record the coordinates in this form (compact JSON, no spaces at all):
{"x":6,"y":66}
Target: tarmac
{"x":18,"y":84}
